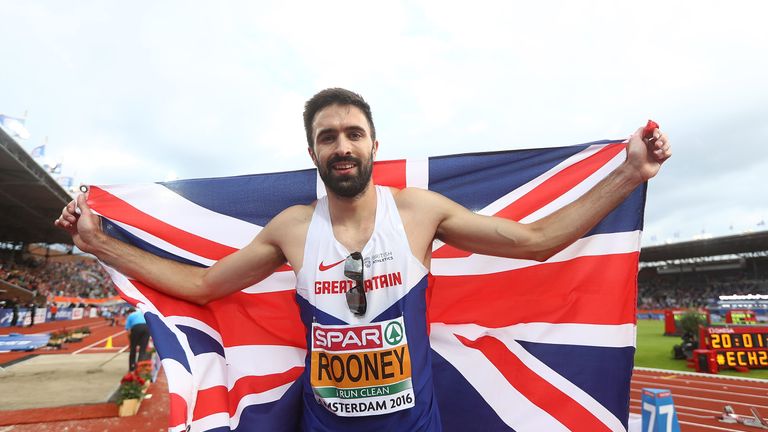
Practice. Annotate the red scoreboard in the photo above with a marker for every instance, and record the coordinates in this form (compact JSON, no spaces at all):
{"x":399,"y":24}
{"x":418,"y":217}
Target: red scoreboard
{"x":737,"y":346}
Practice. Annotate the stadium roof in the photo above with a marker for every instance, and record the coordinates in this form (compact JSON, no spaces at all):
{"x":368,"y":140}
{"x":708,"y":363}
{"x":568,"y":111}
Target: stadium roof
{"x":735,"y":244}
{"x":30,"y":199}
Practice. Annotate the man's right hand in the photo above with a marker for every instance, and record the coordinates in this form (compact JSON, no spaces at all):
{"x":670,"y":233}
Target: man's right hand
{"x":85,"y":227}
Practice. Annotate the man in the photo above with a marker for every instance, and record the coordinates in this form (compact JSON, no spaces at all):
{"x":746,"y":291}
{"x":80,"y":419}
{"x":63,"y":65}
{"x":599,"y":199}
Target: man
{"x":139,"y":337}
{"x":15,"y":311}
{"x":361,"y":257}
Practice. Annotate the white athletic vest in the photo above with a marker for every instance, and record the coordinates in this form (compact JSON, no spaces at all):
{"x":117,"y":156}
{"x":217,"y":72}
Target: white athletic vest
{"x":371,"y":371}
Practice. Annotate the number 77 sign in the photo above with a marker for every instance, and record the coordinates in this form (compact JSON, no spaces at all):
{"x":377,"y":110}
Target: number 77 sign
{"x":659,"y":411}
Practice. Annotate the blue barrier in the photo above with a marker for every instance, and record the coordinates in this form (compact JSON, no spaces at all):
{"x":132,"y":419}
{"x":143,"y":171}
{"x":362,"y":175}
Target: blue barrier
{"x":659,"y":413}
{"x":22,"y":342}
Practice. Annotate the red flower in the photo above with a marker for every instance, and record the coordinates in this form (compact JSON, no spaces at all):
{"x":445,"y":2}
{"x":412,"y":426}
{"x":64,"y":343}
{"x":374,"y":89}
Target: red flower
{"x":129,"y":377}
{"x":649,"y":128}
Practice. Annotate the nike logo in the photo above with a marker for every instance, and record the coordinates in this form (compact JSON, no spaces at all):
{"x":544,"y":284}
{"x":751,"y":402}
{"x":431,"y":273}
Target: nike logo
{"x":327,"y":267}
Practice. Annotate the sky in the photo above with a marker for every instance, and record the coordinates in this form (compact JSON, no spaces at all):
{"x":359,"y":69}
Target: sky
{"x":143,"y":91}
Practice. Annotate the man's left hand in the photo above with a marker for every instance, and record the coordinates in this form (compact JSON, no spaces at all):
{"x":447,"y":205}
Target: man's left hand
{"x":645,"y":155}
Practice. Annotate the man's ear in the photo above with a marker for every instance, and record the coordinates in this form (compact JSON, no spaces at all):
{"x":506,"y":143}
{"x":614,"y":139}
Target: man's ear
{"x":375,"y":149}
{"x":312,"y":155}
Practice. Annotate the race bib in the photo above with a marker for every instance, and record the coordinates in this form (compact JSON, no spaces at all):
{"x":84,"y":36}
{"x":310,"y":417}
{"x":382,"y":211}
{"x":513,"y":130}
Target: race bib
{"x":362,"y":370}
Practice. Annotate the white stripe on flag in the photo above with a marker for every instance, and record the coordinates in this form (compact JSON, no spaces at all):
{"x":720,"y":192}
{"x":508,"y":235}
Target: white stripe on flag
{"x":568,"y":334}
{"x":164,"y":245}
{"x":417,"y":173}
{"x":598,"y":244}
{"x":180,"y":383}
{"x":161,"y":203}
{"x":577,"y":191}
{"x":573,"y":391}
{"x":521,"y":191}
{"x":256,"y":399}
{"x":213,"y":421}
{"x":277,"y":281}
{"x":503,"y":202}
{"x":597,"y":335}
{"x":512,"y":407}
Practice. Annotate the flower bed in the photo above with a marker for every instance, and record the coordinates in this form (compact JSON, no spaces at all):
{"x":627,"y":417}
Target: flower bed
{"x":133,"y":387}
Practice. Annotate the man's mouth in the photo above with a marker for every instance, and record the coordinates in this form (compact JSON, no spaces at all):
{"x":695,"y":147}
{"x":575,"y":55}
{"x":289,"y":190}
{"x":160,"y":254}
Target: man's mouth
{"x":343,"y":167}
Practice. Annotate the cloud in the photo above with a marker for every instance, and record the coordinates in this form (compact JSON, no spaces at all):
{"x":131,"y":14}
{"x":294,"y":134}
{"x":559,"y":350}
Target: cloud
{"x":129,"y":93}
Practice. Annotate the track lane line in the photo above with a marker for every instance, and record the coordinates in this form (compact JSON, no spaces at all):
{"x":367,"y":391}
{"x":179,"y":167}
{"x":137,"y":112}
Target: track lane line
{"x":706,"y":426}
{"x":699,"y":389}
{"x":96,"y":343}
{"x":676,"y":396}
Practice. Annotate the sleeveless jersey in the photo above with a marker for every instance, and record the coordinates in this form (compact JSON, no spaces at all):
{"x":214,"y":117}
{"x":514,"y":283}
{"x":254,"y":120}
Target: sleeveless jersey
{"x":370,"y":372}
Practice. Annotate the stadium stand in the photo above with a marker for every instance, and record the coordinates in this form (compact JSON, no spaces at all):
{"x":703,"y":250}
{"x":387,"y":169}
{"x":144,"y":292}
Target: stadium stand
{"x":696,"y":273}
{"x":30,"y":199}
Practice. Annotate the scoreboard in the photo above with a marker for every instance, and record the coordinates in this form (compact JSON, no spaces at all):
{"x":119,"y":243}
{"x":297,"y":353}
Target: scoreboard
{"x":737,"y":346}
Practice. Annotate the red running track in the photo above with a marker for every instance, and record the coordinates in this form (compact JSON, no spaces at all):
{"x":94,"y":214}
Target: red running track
{"x":700,"y":397}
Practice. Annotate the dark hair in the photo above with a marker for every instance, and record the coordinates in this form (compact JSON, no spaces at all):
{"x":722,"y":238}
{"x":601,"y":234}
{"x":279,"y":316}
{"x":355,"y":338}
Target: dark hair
{"x":334,"y":96}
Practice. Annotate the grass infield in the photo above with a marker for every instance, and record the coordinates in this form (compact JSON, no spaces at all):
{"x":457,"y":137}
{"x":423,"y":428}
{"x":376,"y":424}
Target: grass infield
{"x":654,"y":350}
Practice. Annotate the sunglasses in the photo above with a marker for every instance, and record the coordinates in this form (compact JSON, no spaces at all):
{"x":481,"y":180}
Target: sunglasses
{"x":353,"y":269}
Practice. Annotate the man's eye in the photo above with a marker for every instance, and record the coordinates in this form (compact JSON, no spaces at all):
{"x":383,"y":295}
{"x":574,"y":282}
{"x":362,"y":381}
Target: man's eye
{"x":355,"y":135}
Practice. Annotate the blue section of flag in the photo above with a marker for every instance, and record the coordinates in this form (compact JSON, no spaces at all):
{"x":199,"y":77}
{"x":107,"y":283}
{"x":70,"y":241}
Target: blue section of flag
{"x":253,"y":198}
{"x":165,"y":341}
{"x":279,"y":416}
{"x":461,"y":406}
{"x":581,"y":365}
{"x":200,"y":342}
{"x":628,"y":216}
{"x":477,"y":180}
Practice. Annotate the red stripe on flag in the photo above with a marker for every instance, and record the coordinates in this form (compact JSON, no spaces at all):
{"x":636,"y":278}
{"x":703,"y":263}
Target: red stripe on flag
{"x":259,"y":384}
{"x":125,"y":296}
{"x":178,"y":412}
{"x":215,"y":399}
{"x":271,"y":318}
{"x":390,"y":173}
{"x":116,"y":209}
{"x":539,"y":391}
{"x":172,"y":306}
{"x":591,"y":290}
{"x":546,"y":192}
{"x":212,"y":400}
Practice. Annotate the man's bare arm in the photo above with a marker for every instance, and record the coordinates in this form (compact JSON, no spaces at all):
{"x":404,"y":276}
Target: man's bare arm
{"x":241,"y":269}
{"x":542,"y":239}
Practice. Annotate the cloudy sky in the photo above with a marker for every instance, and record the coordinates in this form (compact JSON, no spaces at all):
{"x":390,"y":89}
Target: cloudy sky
{"x":150,"y":90}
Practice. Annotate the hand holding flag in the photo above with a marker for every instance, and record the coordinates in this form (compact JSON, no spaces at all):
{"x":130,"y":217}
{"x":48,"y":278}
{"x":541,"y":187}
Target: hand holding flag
{"x":81,"y":223}
{"x":647,"y":149}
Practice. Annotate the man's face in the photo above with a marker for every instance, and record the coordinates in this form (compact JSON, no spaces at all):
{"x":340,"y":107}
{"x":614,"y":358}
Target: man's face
{"x":343,"y":149}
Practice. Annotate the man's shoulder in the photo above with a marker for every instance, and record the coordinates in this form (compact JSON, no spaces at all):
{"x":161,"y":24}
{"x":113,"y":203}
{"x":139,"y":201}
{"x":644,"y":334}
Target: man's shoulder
{"x":412,"y":198}
{"x":296,"y":214}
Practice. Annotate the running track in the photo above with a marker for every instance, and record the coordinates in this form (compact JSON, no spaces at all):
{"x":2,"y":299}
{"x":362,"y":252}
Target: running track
{"x":699,"y":397}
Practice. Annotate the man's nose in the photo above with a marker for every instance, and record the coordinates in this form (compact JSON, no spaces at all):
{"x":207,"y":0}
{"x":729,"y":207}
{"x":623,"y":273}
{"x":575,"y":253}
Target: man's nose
{"x":344,"y":145}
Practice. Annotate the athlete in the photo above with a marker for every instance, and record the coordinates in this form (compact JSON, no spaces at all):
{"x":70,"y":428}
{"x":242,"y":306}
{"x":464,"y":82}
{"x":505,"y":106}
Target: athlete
{"x":361,"y":257}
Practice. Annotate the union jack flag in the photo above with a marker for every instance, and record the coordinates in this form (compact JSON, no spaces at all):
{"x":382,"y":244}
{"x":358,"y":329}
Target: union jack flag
{"x":516,"y":344}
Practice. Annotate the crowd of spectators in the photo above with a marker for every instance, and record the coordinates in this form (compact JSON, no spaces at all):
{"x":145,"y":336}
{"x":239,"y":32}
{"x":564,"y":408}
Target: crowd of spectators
{"x":697,"y":289}
{"x":83,"y":278}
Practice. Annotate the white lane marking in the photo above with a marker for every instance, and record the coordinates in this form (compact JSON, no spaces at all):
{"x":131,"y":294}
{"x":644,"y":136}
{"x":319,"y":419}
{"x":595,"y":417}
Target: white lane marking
{"x":96,"y":343}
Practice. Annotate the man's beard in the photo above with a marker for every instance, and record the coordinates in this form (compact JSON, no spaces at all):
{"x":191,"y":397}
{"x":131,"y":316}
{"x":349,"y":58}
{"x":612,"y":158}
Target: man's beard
{"x":348,"y":186}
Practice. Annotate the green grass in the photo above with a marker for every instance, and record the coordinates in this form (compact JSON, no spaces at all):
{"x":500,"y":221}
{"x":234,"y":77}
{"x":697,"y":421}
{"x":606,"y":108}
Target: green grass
{"x":654,"y":350}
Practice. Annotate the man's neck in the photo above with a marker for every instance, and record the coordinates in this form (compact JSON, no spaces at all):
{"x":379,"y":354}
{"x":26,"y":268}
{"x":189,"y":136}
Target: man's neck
{"x":356,"y":211}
